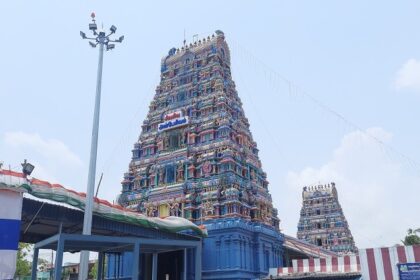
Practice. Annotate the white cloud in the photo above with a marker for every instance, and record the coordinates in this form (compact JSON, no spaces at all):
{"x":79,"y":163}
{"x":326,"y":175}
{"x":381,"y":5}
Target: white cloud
{"x":51,"y":149}
{"x":54,"y":161}
{"x":377,"y":194}
{"x":408,"y":77}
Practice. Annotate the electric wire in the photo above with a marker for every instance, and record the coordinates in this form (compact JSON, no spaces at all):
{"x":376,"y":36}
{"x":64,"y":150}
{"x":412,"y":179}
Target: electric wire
{"x":273,"y":76}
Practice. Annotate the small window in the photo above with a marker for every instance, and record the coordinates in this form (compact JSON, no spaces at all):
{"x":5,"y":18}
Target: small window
{"x":319,"y":241}
{"x":207,"y":137}
{"x":170,"y":174}
{"x":174,"y":141}
{"x":181,"y":96}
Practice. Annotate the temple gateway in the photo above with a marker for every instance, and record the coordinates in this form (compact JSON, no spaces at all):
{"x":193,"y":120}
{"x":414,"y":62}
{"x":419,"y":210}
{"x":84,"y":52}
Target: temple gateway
{"x":322,"y":221}
{"x":196,"y":158}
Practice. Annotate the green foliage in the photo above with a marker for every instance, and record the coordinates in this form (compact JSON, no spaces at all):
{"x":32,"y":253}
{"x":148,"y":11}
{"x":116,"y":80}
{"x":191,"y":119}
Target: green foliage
{"x":43,"y":264}
{"x":412,"y":237}
{"x":93,"y":271}
{"x":23,"y":266}
{"x":65,"y":274}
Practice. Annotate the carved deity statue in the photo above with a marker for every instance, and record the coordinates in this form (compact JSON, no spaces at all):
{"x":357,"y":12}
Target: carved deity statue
{"x":180,"y":171}
{"x":151,"y":211}
{"x":174,"y":208}
{"x":208,"y":208}
{"x":161,"y":176}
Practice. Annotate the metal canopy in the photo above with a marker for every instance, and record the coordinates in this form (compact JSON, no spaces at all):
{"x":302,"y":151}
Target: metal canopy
{"x":96,"y":243}
{"x":113,"y":244}
{"x":41,"y":220}
{"x":77,"y":242}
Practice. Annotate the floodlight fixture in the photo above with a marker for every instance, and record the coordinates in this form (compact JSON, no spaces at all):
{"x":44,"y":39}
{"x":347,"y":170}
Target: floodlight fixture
{"x":93,"y":26}
{"x":110,"y":47}
{"x":100,"y":37}
{"x":27,"y":168}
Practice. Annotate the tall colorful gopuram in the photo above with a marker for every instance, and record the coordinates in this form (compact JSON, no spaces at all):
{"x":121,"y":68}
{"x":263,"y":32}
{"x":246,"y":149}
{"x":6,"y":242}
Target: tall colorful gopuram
{"x":322,"y":221}
{"x":196,"y":158}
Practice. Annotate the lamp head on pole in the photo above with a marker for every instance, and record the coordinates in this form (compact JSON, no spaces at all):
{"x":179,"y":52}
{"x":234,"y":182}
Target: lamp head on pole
{"x":100,"y":36}
{"x":27,"y":168}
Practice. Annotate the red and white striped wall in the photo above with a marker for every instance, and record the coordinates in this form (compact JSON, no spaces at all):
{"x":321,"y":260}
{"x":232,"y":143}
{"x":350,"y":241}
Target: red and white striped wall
{"x":381,"y":263}
{"x":344,"y":264}
{"x":373,"y":263}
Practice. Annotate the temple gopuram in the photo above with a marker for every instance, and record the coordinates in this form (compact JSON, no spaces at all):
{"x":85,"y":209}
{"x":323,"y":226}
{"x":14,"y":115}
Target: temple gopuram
{"x":322,"y":221}
{"x":196,"y":158}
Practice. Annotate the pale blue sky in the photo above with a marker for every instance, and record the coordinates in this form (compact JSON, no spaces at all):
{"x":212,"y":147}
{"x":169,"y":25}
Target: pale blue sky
{"x":352,"y":56}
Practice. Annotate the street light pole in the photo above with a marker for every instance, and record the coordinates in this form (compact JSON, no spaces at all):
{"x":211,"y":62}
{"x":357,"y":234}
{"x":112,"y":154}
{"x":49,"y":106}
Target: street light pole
{"x":100,"y":38}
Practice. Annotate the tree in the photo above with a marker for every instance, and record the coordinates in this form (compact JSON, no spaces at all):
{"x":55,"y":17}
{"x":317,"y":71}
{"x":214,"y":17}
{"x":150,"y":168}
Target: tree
{"x":23,"y":266}
{"x":93,"y":271}
{"x":412,"y":237}
{"x":43,"y":264}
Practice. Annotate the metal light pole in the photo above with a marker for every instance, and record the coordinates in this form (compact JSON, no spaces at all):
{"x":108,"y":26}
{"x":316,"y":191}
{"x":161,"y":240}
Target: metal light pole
{"x":103,"y":40}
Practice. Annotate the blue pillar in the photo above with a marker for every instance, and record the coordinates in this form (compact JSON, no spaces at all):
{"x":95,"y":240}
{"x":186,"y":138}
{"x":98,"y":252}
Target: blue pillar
{"x":34,"y":264}
{"x":154,"y":266}
{"x":136,"y":261}
{"x":59,"y":258}
{"x":198,"y":262}
{"x":100,"y":265}
{"x":184,"y":277}
{"x":238,"y":249}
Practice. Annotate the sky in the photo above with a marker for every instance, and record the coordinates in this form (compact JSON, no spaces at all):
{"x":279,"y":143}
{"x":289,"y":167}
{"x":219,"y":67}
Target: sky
{"x":331,"y":90}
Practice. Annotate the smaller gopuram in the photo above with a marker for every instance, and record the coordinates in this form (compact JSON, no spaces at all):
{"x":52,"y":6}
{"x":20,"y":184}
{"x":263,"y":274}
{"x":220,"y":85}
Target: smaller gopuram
{"x":322,"y":221}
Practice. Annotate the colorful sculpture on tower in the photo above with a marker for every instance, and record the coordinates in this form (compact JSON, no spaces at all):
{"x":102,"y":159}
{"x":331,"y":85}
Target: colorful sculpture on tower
{"x":322,"y":221}
{"x":196,"y":158}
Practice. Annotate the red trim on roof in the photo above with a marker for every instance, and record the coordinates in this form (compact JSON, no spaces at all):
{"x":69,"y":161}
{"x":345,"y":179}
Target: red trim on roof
{"x":40,"y":182}
{"x":12,"y":173}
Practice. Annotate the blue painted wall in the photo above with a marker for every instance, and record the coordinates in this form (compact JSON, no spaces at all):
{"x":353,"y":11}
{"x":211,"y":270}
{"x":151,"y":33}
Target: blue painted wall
{"x":235,"y":249}
{"x":239,"y":249}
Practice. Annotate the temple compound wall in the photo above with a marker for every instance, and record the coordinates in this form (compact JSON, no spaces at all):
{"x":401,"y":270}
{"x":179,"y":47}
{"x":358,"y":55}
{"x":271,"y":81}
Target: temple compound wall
{"x":196,"y":158}
{"x":322,"y":221}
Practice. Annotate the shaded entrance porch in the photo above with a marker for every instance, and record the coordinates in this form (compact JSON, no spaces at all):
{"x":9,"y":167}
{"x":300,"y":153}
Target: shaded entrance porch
{"x":144,"y":255}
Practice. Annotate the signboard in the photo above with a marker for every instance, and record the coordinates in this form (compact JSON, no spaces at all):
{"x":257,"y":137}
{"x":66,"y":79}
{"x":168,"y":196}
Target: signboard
{"x":172,"y":120}
{"x":171,"y":116}
{"x":409,"y":271}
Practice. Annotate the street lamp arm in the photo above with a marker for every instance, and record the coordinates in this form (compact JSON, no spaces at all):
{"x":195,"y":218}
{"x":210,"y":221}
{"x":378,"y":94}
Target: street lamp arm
{"x":116,"y":41}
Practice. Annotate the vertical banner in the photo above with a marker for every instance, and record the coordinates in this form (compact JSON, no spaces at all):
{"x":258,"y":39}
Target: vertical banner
{"x":10,"y":218}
